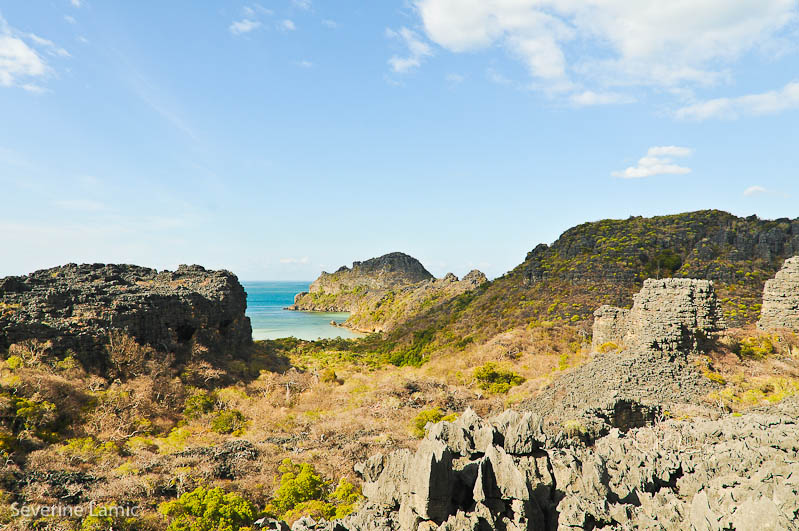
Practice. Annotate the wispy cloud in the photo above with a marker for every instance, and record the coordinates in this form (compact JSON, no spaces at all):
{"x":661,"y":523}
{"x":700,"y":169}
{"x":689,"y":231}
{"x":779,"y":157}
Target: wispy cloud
{"x":288,"y":25}
{"x":302,"y":4}
{"x":70,"y":19}
{"x":244,"y":26}
{"x":76,"y":3}
{"x":659,"y":160}
{"x":330,"y":23}
{"x":417,"y":50}
{"x":772,"y":102}
{"x":20,"y":63}
{"x":305,"y":64}
{"x":755,"y":190}
{"x":303,"y":260}
{"x":455,"y":79}
{"x":590,"y":98}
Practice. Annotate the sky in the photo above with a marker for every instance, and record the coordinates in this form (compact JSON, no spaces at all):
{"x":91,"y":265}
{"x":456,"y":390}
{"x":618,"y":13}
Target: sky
{"x":281,"y":138}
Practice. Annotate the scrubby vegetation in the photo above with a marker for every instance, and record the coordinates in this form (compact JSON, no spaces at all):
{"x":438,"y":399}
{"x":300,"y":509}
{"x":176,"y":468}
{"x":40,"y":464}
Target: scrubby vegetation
{"x":494,"y":379}
{"x":429,"y":416}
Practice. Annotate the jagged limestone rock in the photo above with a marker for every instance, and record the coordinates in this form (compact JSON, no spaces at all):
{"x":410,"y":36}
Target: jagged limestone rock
{"x":781,"y":299}
{"x":734,"y":472}
{"x":668,"y":315}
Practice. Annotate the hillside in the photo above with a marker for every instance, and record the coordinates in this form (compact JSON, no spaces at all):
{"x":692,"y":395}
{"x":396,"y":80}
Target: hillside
{"x":605,"y":262}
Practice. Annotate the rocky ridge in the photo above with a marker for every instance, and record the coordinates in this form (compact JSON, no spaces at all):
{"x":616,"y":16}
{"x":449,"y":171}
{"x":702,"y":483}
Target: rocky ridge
{"x":77,"y":307}
{"x":781,"y":298}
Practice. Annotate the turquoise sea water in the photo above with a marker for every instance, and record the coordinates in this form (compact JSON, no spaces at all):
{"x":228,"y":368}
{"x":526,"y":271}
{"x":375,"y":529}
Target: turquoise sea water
{"x":265,"y":303}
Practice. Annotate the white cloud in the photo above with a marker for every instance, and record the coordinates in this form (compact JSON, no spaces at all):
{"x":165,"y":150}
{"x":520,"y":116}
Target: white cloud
{"x":305,"y":64}
{"x":244,"y":26}
{"x":612,"y":43}
{"x":589,"y":98}
{"x":455,"y":78}
{"x":303,"y":260}
{"x":330,"y":23}
{"x":302,"y":4}
{"x":417,"y":50}
{"x":772,"y":102}
{"x":754,"y":190}
{"x":49,"y":46}
{"x":18,"y":61}
{"x":288,"y":25}
{"x":659,"y":160}
{"x":76,"y":3}
{"x":70,"y":19}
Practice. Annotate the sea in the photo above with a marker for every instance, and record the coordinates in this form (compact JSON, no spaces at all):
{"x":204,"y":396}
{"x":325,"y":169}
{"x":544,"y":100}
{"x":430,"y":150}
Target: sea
{"x":265,"y":303}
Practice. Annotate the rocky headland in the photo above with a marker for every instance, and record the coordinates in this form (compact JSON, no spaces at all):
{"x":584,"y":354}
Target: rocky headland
{"x":382,"y":292}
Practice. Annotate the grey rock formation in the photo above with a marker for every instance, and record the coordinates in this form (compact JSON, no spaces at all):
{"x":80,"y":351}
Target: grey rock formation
{"x":781,"y":299}
{"x":731,"y":473}
{"x":668,"y":315}
{"x":77,"y":306}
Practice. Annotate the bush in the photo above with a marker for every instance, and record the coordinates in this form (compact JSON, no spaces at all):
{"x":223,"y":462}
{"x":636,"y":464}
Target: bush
{"x":299,"y":486}
{"x":209,"y":510}
{"x":230,"y":421}
{"x":303,"y":492}
{"x":493,"y":379}
{"x":198,"y":405}
{"x":604,"y":348}
{"x":428,"y":415}
{"x":574,"y":429}
{"x":757,"y":347}
{"x":14,"y":362}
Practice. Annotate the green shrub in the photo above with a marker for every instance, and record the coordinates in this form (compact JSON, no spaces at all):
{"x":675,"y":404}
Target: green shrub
{"x":496,"y":380}
{"x":14,"y":362}
{"x":108,"y":517}
{"x":229,"y":421}
{"x":574,"y":429}
{"x":604,"y":348}
{"x":209,"y":510}
{"x":198,"y":405}
{"x":757,"y":347}
{"x":303,"y":492}
{"x":299,"y":485}
{"x":428,"y":415}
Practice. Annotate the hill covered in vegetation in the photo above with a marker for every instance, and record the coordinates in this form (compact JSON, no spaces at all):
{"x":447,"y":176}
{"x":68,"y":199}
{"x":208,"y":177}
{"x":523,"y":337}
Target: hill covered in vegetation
{"x":606,"y":262}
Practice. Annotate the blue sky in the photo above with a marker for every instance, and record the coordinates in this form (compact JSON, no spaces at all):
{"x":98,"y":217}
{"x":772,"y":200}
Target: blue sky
{"x":280,"y":138}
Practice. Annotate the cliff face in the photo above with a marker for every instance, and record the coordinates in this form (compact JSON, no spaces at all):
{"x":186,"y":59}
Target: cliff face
{"x":77,"y":307}
{"x":383,"y":292}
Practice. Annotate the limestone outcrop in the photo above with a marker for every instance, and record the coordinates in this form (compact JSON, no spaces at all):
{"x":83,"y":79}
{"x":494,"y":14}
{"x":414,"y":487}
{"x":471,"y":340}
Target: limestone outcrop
{"x":668,"y":315}
{"x":781,"y":299}
{"x":505,"y":474}
{"x":78,"y":306}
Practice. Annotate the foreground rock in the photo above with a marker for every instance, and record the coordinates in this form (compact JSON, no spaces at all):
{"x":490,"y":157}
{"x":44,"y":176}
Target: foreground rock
{"x":505,"y":473}
{"x":781,"y":299}
{"x":78,"y":307}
